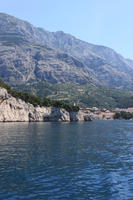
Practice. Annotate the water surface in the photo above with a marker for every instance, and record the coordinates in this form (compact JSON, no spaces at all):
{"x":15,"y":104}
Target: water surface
{"x":60,"y":161}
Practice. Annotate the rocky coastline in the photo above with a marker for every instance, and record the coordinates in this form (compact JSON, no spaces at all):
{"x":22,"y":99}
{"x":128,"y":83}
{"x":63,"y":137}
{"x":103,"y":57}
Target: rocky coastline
{"x":17,"y":110}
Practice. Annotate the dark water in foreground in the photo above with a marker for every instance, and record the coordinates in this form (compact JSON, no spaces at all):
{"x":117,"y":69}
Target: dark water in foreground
{"x":66,"y":161}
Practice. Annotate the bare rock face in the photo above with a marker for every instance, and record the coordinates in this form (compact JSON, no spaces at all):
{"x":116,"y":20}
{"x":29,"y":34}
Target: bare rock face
{"x":38,"y":114}
{"x":58,"y":115}
{"x":74,"y":116}
{"x":13,"y":110}
{"x":87,"y":118}
{"x":3,"y":94}
{"x":80,"y":116}
{"x":48,"y":114}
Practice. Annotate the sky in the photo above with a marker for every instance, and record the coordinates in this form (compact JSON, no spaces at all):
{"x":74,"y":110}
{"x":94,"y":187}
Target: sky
{"x":103,"y":22}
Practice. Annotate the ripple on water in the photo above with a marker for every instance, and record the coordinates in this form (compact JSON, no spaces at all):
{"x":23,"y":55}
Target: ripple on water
{"x":66,"y":160}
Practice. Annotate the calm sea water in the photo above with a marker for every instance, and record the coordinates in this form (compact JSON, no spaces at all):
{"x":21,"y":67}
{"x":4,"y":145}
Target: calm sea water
{"x":92,"y":160}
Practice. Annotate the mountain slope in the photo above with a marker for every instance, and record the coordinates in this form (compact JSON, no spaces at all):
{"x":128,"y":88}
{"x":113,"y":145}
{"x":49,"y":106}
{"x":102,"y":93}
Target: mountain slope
{"x":29,"y":54}
{"x":25,"y":62}
{"x":23,"y":57}
{"x":87,"y":95}
{"x":110,"y":68}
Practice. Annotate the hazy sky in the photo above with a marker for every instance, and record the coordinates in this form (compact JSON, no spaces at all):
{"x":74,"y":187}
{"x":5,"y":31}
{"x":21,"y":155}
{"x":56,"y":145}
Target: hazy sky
{"x":105,"y":22}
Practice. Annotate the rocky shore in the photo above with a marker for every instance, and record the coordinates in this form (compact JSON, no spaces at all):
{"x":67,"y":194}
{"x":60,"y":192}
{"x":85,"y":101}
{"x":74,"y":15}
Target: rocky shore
{"x":16,"y":110}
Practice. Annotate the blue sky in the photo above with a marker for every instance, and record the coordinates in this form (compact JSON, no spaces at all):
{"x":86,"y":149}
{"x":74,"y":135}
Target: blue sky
{"x":105,"y":22}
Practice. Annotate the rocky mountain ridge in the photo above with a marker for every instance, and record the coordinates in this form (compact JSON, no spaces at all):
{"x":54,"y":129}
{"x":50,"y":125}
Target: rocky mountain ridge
{"x":29,"y":54}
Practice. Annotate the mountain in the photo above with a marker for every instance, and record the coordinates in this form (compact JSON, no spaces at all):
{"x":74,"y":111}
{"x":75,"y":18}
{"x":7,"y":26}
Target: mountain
{"x":24,"y":58}
{"x":29,"y":54}
{"x":109,"y":68}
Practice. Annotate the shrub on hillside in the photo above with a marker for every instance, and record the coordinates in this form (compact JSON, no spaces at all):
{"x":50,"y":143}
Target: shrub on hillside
{"x":123,"y":115}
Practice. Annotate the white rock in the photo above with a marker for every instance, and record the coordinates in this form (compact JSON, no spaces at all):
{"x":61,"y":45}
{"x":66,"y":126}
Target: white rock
{"x":13,"y":110}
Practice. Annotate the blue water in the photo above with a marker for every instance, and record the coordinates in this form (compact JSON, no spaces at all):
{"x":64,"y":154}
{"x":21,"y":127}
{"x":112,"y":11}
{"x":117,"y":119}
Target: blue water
{"x":80,"y":161}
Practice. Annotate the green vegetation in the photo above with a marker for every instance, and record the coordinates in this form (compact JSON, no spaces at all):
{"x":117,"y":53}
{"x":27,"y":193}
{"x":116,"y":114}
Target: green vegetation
{"x":35,"y":100}
{"x":60,"y":95}
{"x":123,"y":115}
{"x":84,"y":95}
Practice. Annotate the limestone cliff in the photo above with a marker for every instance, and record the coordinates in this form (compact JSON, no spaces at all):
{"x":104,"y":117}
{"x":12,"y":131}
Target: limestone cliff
{"x":16,"y":110}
